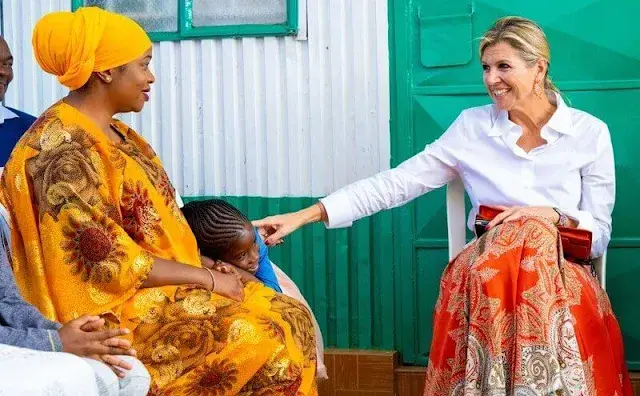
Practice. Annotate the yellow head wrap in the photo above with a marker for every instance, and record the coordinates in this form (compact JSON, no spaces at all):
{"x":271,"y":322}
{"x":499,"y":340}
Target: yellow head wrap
{"x":72,"y":45}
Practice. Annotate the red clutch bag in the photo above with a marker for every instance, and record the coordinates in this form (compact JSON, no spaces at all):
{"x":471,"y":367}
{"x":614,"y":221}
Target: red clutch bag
{"x":576,"y":243}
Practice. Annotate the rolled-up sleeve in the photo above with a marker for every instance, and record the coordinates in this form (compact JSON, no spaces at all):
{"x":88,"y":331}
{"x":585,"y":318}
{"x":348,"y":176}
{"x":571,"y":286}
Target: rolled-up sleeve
{"x":434,"y":167}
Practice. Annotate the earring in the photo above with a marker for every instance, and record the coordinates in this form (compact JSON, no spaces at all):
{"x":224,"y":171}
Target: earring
{"x":538,"y":90}
{"x":107,"y":79}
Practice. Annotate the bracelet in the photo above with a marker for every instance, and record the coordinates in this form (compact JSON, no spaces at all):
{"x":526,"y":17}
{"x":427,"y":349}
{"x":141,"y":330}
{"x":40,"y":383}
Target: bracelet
{"x":563,"y":220}
{"x":323,"y":212}
{"x":213,"y":279}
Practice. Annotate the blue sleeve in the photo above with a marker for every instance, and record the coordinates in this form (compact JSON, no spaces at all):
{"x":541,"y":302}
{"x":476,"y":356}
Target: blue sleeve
{"x":38,"y":339}
{"x":11,"y":131}
{"x":21,"y":324}
{"x":265,"y":270}
{"x":14,"y":311}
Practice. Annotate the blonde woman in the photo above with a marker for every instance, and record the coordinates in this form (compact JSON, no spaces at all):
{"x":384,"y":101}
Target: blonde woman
{"x":513,"y":316}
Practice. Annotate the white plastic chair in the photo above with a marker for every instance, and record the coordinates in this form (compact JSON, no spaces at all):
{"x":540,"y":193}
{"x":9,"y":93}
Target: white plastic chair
{"x":457,"y":227}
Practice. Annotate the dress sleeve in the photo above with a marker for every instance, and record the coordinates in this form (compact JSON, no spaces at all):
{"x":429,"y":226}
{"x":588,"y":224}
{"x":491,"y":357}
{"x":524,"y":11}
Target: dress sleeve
{"x":71,"y":243}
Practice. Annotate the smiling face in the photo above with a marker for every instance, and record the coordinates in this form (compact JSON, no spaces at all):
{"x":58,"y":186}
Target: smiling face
{"x":6,"y":67}
{"x":131,"y":84}
{"x":243,"y":252}
{"x":509,"y":80}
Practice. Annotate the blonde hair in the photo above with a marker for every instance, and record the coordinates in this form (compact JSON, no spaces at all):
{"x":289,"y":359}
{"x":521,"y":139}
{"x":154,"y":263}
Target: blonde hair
{"x":526,"y":37}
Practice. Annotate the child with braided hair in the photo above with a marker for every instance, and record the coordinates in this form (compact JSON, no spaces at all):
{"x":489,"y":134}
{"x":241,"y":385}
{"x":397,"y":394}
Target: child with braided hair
{"x":226,"y":236}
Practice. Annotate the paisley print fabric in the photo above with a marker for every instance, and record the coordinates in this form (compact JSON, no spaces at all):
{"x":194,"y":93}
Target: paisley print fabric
{"x":514,"y":318}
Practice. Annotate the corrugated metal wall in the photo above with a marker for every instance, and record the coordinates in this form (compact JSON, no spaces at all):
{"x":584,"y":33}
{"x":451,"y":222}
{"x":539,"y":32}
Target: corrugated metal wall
{"x":266,"y":117}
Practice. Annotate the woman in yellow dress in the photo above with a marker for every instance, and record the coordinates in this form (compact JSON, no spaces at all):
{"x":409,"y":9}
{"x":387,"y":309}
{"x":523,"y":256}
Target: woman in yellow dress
{"x":96,"y":230}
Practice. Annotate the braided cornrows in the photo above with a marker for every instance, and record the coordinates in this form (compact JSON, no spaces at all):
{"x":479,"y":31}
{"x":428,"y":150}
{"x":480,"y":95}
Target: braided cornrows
{"x":215,"y":224}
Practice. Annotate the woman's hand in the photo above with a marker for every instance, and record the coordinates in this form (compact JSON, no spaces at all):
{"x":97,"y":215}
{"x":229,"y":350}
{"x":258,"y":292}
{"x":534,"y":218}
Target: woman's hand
{"x":84,"y":337}
{"x":115,"y":363}
{"x":516,"y":212}
{"x":273,"y":229}
{"x":228,"y":285}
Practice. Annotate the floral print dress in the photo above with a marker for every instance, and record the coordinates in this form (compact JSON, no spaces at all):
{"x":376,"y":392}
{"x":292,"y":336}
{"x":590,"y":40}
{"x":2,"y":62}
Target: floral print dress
{"x":88,"y":217}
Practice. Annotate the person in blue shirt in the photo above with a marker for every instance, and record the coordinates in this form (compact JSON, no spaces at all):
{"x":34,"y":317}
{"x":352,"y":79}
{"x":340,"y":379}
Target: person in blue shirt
{"x":223,"y":233}
{"x":13,"y":123}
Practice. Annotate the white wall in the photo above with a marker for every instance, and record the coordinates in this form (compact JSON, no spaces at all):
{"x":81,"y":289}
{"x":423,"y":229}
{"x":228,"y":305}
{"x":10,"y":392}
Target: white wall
{"x":254,"y":116}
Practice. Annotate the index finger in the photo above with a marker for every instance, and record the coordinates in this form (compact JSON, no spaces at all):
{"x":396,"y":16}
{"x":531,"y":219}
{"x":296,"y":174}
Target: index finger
{"x":261,"y":222}
{"x":275,"y":237}
{"x":106,"y":334}
{"x":116,"y":361}
{"x":499,"y":218}
{"x":84,"y":319}
{"x":93,"y":325}
{"x":101,"y":349}
{"x":117,"y":342}
{"x":239,"y":296}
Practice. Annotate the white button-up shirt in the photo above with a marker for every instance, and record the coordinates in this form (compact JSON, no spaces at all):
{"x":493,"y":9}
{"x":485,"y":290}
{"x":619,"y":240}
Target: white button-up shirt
{"x":573,"y":171}
{"x":6,"y":114}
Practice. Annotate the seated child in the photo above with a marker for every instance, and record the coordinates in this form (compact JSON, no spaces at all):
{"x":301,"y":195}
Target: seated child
{"x":223,"y":233}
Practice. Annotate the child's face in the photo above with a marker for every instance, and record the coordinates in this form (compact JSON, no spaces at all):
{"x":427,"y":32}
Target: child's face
{"x":243,"y":252}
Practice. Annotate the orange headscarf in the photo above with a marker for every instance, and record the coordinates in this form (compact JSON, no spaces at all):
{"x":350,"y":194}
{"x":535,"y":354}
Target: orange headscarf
{"x":72,"y":45}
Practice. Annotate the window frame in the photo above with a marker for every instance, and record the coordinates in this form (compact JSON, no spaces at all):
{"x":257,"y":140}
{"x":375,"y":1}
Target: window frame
{"x":186,"y":30}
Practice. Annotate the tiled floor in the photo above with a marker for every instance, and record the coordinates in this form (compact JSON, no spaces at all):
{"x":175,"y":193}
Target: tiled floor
{"x":359,"y":373}
{"x":377,"y":373}
{"x":410,"y":381}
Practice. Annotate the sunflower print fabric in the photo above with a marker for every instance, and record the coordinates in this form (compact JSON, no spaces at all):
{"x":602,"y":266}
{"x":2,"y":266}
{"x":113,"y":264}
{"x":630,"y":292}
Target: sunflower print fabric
{"x":88,"y":217}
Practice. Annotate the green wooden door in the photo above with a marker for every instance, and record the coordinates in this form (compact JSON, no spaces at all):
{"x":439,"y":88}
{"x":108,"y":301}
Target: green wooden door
{"x":595,"y":48}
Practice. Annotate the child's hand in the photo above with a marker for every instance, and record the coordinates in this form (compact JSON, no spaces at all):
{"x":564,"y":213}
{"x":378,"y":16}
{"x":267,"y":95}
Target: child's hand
{"x":207,"y":262}
{"x":225,"y":268}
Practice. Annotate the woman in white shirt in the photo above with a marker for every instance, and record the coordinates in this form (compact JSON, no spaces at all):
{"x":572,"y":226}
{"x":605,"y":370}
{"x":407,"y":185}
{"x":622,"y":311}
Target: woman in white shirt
{"x":512,"y":317}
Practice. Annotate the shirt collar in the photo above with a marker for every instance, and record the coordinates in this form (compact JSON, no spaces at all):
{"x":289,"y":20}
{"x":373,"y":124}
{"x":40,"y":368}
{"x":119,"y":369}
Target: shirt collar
{"x":560,"y":121}
{"x":6,"y":114}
